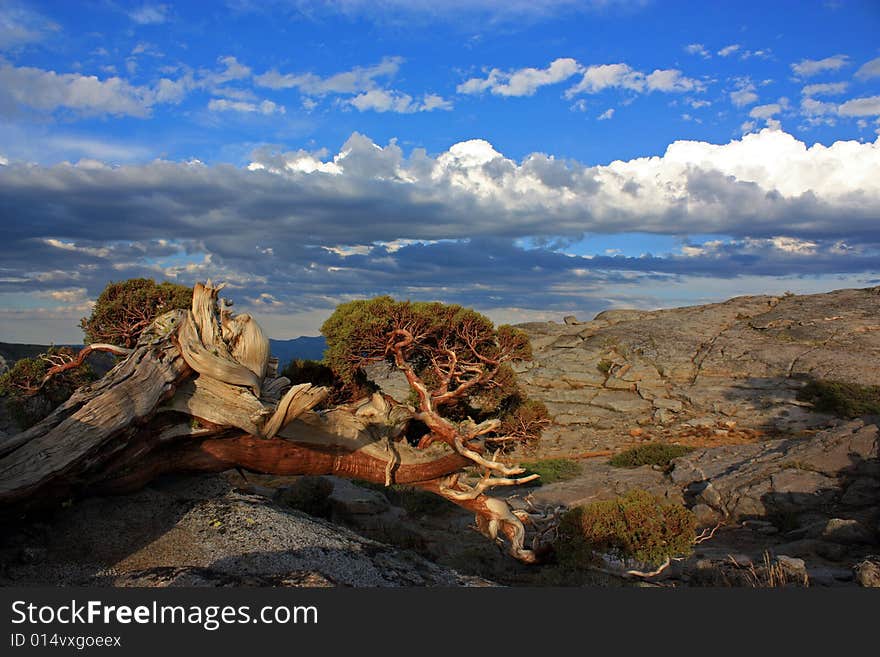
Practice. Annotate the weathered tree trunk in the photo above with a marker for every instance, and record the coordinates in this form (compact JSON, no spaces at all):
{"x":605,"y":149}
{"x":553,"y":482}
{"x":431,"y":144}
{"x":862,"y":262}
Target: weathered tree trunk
{"x":198,"y":393}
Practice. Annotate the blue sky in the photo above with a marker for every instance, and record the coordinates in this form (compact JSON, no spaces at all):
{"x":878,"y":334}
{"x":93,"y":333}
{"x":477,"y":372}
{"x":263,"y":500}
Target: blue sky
{"x":529,"y":158}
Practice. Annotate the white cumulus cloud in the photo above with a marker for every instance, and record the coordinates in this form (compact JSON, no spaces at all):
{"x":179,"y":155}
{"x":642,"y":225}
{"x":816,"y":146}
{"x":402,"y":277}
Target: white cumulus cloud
{"x":232,"y":70}
{"x":744,"y":94}
{"x":765,"y":111}
{"x":149,"y":14}
{"x":433,"y":102}
{"x":825,"y":89}
{"x":593,"y":79}
{"x":768,"y":182}
{"x":88,"y":95}
{"x":362,"y":86}
{"x":869,"y":69}
{"x":809,"y":67}
{"x":382,"y":100}
{"x":521,"y":82}
{"x":860,"y":107}
{"x":225,"y":105}
{"x":697,"y":49}
{"x":354,"y":81}
{"x":604,"y":76}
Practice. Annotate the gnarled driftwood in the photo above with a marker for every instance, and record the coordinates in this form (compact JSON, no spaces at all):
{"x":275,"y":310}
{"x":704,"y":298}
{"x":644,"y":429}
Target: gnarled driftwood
{"x":198,"y":393}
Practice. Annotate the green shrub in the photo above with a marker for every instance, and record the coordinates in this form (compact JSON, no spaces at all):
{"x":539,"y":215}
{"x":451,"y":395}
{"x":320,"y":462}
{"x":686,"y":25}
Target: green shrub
{"x":456,"y":354}
{"x":26,"y":400}
{"x":604,"y":366}
{"x":649,"y":454}
{"x":124,"y":309}
{"x":553,"y":470}
{"x":638,"y":526}
{"x":847,"y":400}
{"x":359,"y":332}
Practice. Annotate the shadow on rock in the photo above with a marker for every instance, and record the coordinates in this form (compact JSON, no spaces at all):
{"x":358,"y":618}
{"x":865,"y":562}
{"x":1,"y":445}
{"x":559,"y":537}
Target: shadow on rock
{"x":77,"y":542}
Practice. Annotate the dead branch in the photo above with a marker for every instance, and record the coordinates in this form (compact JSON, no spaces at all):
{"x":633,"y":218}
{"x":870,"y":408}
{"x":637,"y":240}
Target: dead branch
{"x":650,"y":573}
{"x":62,"y":362}
{"x":705,"y":535}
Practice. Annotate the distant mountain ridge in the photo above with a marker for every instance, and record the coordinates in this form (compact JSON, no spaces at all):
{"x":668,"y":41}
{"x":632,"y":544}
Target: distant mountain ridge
{"x":306,"y":347}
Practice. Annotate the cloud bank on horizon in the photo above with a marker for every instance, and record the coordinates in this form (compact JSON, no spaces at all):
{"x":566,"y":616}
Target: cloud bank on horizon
{"x":556,"y":162}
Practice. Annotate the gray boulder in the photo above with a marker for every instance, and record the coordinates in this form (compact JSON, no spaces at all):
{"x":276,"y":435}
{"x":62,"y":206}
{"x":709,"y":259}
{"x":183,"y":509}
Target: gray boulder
{"x":199,"y":531}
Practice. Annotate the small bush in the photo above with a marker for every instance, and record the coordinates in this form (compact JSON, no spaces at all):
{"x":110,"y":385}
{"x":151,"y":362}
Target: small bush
{"x":650,"y":454}
{"x":638,"y":526}
{"x":124,"y":309}
{"x":604,"y":366}
{"x":847,"y":400}
{"x":553,"y":470}
{"x":27,"y":402}
{"x":458,"y":355}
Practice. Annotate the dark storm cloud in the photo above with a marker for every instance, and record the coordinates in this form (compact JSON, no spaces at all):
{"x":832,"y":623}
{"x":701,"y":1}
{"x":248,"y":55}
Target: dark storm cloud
{"x":371,"y":220}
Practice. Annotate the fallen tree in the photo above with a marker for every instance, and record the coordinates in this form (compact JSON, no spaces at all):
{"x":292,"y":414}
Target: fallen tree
{"x":198,"y":392}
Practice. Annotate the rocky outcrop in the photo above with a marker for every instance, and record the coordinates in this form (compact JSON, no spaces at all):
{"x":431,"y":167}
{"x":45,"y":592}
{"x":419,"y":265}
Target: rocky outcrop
{"x":824,"y":487}
{"x":729,"y":367}
{"x":797,"y":492}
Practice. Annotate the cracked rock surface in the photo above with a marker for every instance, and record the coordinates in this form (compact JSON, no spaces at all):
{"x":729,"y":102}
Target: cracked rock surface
{"x":731,"y":368}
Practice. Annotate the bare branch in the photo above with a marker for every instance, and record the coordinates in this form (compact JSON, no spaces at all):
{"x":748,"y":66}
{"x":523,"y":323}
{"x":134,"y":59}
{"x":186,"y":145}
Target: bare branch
{"x":65,"y":363}
{"x":651,"y":573}
{"x":494,"y":466}
{"x":462,"y":492}
{"x":704,"y":536}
